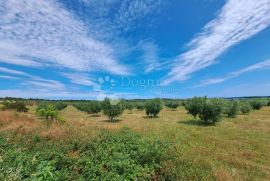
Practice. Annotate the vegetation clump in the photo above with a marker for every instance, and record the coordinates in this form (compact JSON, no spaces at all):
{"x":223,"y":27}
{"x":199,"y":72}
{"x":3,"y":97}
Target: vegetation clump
{"x":245,"y":107}
{"x":18,"y":106}
{"x":121,"y":155}
{"x":231,"y":109}
{"x":195,"y":105}
{"x":140,"y":106}
{"x":50,"y":113}
{"x":153,"y":107}
{"x":112,"y":108}
{"x":173,"y":105}
{"x":92,"y":107}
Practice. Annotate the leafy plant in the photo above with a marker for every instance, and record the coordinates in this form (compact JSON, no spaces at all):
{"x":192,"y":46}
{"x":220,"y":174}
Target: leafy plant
{"x":50,"y":114}
{"x":92,"y":107}
{"x":211,"y":111}
{"x":112,"y":110}
{"x":195,"y":105}
{"x":153,"y":107}
{"x":173,"y":105}
{"x":130,"y":106}
{"x":18,"y":106}
{"x":245,"y":107}
{"x":231,"y":109}
{"x":257,"y":104}
{"x":140,"y":106}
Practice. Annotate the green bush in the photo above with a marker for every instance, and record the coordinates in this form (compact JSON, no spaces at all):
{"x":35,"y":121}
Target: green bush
{"x":112,"y":110}
{"x":257,"y":104}
{"x":245,"y":107}
{"x":153,"y":107}
{"x":231,"y":109}
{"x":211,"y":111}
{"x":140,"y":106}
{"x":50,"y":113}
{"x":173,"y":105}
{"x":123,"y":155}
{"x":130,"y":106}
{"x":92,"y":107}
{"x":195,"y":105}
{"x":18,"y":106}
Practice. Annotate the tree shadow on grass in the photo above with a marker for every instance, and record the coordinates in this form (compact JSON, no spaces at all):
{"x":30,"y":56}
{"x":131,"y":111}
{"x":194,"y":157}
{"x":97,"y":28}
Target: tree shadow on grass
{"x":150,"y":117}
{"x":195,"y":122}
{"x":114,"y":121}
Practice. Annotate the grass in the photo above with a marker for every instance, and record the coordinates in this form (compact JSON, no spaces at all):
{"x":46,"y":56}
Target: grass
{"x":234,"y":149}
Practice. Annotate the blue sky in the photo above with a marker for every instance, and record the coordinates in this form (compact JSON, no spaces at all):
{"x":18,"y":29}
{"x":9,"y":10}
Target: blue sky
{"x":91,"y":49}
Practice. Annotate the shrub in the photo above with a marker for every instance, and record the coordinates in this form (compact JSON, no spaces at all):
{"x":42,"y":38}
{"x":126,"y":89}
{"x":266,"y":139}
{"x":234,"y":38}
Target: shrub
{"x":211,"y":110}
{"x":153,"y":107}
{"x":93,"y":107}
{"x":130,"y":106}
{"x":231,"y":109}
{"x":112,"y":110}
{"x":15,"y":105}
{"x":245,"y":107}
{"x":268,"y":104}
{"x":140,"y":106}
{"x":50,"y":113}
{"x":195,"y":105}
{"x":173,"y":105}
{"x":121,"y":155}
{"x":257,"y":104}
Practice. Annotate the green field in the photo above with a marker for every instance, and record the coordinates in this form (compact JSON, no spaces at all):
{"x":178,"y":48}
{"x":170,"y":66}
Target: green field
{"x":173,"y":146}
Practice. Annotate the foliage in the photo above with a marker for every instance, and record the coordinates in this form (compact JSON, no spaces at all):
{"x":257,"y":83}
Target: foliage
{"x":50,"y":113}
{"x":231,"y":109}
{"x":129,"y":106}
{"x":15,"y":105}
{"x":195,"y":105}
{"x":58,"y":105}
{"x":257,"y":104}
{"x":112,"y":110}
{"x":172,"y":105}
{"x":211,"y":110}
{"x":245,"y":107}
{"x":153,"y":107}
{"x":122,"y":155}
{"x":140,"y":106}
{"x":92,"y":107}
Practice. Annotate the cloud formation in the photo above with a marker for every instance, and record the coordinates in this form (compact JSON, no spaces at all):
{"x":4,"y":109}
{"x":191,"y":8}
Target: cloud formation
{"x":258,"y":66}
{"x":237,"y":21}
{"x":44,"y":33}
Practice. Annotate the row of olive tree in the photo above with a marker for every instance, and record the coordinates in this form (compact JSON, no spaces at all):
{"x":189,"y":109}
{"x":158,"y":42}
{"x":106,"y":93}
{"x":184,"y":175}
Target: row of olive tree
{"x":211,"y":110}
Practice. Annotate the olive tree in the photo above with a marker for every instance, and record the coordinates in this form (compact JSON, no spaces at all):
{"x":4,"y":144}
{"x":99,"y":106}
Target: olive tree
{"x":140,"y":106}
{"x":195,"y":105}
{"x":211,"y":110}
{"x":153,"y":107}
{"x":130,"y":106}
{"x":112,"y":110}
{"x":257,"y":104}
{"x":173,"y":105}
{"x":245,"y":107}
{"x":50,"y":113}
{"x":231,"y":109}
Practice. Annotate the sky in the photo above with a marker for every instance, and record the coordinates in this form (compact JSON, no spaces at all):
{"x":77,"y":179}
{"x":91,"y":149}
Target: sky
{"x":92,"y":49}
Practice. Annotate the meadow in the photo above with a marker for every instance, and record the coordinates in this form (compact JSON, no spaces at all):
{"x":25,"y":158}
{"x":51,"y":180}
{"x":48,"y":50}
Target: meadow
{"x":172,"y":146}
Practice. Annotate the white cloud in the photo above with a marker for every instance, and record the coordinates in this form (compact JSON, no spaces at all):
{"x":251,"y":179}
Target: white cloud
{"x":237,"y":21}
{"x":150,"y":55}
{"x":8,"y":77}
{"x":132,"y":12}
{"x":80,"y":79}
{"x":259,"y":66}
{"x":11,"y":71}
{"x":35,"y":33}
